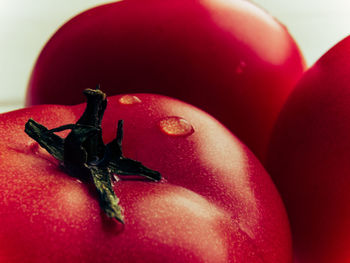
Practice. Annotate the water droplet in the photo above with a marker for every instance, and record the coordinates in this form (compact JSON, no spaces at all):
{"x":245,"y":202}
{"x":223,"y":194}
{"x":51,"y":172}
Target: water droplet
{"x":129,"y":99}
{"x":176,"y":126}
{"x":241,"y":67}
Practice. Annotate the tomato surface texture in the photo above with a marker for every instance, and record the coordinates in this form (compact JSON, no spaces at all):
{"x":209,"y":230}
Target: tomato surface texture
{"x":215,"y":202}
{"x":230,"y":58}
{"x":309,"y":159}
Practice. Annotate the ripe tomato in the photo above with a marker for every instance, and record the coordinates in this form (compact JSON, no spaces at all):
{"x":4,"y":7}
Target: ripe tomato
{"x":215,"y":202}
{"x":229,"y":58}
{"x":309,"y":159}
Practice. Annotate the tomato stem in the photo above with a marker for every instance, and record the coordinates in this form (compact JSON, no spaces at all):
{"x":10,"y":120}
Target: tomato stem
{"x":84,"y":155}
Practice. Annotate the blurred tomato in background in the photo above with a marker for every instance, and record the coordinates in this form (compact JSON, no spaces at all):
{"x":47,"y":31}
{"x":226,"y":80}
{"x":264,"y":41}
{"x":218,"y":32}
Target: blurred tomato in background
{"x":229,"y":58}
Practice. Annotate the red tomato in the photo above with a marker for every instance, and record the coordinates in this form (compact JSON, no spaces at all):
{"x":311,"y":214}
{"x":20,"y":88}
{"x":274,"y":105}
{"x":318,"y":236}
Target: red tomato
{"x":229,"y":58}
{"x":215,"y":202}
{"x":309,"y":159}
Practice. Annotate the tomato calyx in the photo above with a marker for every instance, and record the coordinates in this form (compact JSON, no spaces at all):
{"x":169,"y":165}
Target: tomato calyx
{"x":84,"y":155}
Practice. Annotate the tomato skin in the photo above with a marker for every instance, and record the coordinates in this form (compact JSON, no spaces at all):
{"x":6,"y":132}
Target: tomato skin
{"x":229,"y":58}
{"x":216,"y":202}
{"x":309,"y":159}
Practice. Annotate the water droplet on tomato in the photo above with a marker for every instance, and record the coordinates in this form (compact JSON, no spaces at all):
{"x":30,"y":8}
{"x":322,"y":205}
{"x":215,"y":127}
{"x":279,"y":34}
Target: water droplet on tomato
{"x":241,"y":67}
{"x":176,"y":126}
{"x":129,"y":99}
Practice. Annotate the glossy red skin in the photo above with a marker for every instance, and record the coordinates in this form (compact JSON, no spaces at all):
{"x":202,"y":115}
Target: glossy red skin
{"x":309,"y":159}
{"x":229,"y":58}
{"x":216,"y":202}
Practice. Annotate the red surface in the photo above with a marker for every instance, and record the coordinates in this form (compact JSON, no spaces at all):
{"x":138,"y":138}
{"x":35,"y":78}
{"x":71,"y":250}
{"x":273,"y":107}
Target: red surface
{"x":309,"y":159}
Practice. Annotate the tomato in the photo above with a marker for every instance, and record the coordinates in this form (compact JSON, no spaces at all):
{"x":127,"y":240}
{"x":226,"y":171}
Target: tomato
{"x":214,"y":203}
{"x":309,"y":159}
{"x":229,"y":58}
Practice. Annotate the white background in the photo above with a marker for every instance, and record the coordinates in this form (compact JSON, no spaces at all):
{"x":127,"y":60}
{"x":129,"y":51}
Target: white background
{"x":25,"y":26}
